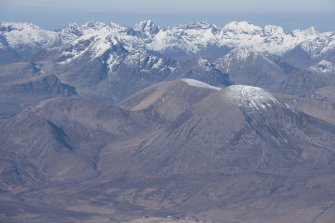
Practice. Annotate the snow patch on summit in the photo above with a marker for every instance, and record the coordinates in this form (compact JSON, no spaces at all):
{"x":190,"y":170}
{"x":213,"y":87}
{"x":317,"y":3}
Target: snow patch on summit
{"x":252,"y":97}
{"x":200,"y":84}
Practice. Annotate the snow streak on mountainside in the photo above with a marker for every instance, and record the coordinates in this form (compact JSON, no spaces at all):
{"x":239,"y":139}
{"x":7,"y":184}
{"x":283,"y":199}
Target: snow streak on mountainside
{"x":200,"y":84}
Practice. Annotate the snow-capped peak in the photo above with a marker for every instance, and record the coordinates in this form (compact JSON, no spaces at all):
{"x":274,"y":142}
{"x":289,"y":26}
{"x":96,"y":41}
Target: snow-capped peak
{"x":103,"y":29}
{"x":147,"y":27}
{"x":270,"y":30}
{"x":250,"y":97}
{"x":242,"y":27}
{"x":188,"y":38}
{"x":70,"y":32}
{"x":25,"y":35}
{"x":71,"y":27}
{"x":200,"y":84}
{"x":200,"y":25}
{"x":310,"y":31}
{"x":94,"y":25}
{"x":304,"y":34}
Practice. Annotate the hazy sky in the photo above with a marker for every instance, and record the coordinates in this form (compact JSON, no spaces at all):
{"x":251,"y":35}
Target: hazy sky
{"x":288,"y":13}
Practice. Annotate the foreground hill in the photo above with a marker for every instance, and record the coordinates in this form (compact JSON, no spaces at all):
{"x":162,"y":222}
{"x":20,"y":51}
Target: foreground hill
{"x":179,"y":148}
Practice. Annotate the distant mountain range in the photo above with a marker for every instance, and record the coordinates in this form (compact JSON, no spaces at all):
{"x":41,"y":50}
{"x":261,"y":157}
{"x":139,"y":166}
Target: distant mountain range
{"x":185,"y":39}
{"x":104,"y":122}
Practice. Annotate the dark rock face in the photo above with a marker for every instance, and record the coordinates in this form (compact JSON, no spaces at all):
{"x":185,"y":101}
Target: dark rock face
{"x":24,"y":84}
{"x":46,"y":85}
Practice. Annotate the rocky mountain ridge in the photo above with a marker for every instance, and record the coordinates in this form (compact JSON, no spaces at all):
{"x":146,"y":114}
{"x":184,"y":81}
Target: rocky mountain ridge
{"x":186,"y":39}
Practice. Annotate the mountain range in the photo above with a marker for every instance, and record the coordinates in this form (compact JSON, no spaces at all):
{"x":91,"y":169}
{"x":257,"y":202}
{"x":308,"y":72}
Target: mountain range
{"x":108,"y":123}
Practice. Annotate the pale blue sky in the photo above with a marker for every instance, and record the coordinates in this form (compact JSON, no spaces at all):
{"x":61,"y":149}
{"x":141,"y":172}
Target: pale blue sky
{"x":288,"y":13}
